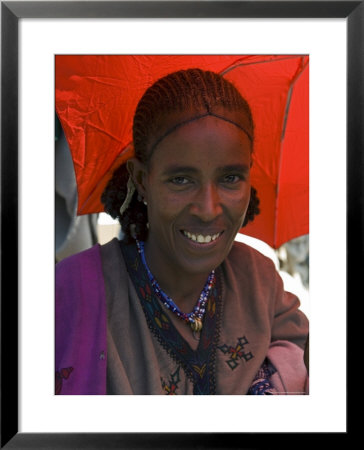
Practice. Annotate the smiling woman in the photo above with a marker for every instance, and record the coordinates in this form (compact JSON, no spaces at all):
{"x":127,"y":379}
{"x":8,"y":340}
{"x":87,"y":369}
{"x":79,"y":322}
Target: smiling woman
{"x":178,"y":307}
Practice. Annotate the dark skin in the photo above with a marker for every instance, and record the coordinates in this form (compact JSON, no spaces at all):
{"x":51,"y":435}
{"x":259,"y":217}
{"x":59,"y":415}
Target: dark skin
{"x":197,"y":183}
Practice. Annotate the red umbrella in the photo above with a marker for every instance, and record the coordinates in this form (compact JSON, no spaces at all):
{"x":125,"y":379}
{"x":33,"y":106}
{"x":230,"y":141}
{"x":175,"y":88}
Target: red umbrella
{"x":96,"y":97}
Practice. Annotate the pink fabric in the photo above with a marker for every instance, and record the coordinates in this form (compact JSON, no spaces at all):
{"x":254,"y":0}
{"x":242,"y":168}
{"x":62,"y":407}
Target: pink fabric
{"x":291,"y":376}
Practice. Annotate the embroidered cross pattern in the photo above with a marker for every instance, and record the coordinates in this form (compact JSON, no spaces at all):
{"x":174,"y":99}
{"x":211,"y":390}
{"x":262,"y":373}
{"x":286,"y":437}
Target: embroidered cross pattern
{"x":236,"y":353}
{"x":172,"y":385}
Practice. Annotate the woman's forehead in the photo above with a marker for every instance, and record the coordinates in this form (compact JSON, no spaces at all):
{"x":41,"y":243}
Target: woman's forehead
{"x":208,"y":140}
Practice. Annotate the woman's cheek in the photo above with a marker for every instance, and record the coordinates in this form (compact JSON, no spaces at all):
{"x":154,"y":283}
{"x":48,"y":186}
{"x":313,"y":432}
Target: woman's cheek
{"x":166,"y":206}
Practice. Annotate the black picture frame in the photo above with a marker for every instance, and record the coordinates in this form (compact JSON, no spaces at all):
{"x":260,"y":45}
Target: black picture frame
{"x":11,"y":12}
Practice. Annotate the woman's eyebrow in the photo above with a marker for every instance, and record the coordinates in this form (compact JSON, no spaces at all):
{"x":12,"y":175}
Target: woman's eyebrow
{"x":176,"y":169}
{"x":242,"y":168}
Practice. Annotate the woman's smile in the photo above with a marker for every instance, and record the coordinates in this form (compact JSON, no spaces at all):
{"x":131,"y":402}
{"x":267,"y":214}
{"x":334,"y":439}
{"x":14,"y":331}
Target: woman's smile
{"x":201,"y":238}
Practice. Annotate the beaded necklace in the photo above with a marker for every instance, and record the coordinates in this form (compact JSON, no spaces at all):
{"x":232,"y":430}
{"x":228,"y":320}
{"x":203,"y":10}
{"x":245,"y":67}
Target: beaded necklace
{"x":194,"y":318}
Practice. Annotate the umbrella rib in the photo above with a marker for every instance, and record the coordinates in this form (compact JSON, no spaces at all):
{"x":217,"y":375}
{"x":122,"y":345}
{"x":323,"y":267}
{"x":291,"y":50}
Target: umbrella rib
{"x":224,"y":72}
{"x":288,"y":103}
{"x":299,"y":72}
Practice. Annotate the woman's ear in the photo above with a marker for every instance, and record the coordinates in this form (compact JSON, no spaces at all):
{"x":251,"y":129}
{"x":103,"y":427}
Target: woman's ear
{"x":137,"y":171}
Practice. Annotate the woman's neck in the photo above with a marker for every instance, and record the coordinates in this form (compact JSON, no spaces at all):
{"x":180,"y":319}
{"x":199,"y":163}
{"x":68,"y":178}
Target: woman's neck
{"x":183,"y":287}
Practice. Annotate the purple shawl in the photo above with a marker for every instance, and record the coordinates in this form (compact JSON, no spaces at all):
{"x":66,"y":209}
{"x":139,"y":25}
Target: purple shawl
{"x":81,"y":319}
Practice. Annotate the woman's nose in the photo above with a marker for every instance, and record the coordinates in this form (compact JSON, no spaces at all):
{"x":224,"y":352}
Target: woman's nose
{"x":207,"y":203}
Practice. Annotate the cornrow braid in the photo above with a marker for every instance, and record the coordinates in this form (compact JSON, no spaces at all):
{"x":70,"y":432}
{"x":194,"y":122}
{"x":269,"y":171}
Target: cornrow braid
{"x":191,"y":91}
{"x":253,"y":207}
{"x":194,"y":93}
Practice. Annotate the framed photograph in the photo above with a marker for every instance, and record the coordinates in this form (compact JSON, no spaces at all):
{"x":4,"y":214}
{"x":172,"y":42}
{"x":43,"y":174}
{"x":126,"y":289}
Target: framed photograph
{"x":332,"y":34}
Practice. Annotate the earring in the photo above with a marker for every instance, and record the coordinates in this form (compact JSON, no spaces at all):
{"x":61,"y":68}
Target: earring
{"x":140,"y":199}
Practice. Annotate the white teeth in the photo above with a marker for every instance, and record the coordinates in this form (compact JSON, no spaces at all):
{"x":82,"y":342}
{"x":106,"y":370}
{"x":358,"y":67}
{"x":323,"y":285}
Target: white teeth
{"x":200,"y":238}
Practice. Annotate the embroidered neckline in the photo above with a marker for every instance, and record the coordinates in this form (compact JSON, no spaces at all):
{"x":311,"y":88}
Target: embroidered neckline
{"x":199,"y":365}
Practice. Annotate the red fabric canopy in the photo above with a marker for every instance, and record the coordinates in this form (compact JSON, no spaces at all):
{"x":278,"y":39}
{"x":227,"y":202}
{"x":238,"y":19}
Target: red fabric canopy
{"x":96,"y":96}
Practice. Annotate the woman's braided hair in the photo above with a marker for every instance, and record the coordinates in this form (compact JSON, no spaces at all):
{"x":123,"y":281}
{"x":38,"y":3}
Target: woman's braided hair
{"x":192,"y":90}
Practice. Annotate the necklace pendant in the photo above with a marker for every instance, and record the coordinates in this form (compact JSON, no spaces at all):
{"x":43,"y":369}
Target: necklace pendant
{"x":196,"y":325}
{"x":196,"y":335}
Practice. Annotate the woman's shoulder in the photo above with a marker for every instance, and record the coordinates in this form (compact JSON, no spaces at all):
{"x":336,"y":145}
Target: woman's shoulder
{"x":88,"y":256}
{"x":242,"y":254}
{"x":246,"y":264}
{"x":77,"y":260}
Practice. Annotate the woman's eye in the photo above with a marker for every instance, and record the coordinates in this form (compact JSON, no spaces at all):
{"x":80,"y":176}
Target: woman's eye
{"x":231,"y":179}
{"x":179,"y":181}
